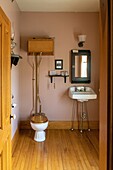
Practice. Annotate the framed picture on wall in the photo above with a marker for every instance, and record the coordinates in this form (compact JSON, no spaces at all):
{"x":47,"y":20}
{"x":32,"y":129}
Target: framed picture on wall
{"x":59,"y":64}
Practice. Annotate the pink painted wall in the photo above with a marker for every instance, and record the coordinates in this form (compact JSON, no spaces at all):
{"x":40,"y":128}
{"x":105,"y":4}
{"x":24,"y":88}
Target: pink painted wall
{"x":13,"y":13}
{"x":64,"y":27}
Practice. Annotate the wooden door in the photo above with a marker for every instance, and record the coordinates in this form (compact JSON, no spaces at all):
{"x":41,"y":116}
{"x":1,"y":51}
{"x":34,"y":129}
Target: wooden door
{"x":106,"y":85}
{"x":110,"y":89}
{"x":5,"y":95}
{"x":103,"y":84}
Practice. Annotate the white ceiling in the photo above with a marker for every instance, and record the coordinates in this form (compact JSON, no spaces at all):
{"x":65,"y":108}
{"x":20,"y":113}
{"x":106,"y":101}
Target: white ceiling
{"x":59,"y":5}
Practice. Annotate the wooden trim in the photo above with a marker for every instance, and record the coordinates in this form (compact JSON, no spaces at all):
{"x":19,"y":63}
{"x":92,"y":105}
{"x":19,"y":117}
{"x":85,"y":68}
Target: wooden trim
{"x":104,"y":84}
{"x":110,"y":89}
{"x":14,"y":140}
{"x":4,"y":16}
{"x":61,"y":125}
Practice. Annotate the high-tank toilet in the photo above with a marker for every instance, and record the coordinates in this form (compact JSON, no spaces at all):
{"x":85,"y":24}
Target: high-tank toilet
{"x":39,"y":123}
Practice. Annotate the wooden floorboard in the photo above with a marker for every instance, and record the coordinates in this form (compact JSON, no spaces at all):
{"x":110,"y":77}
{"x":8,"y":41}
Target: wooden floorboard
{"x":62,"y":150}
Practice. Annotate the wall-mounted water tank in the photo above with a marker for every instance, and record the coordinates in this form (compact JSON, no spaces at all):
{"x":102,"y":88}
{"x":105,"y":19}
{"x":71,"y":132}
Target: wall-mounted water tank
{"x":41,"y":45}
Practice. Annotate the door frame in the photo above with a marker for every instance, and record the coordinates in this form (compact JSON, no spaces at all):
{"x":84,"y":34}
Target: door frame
{"x":110,"y":89}
{"x":106,"y":85}
{"x":5,"y":92}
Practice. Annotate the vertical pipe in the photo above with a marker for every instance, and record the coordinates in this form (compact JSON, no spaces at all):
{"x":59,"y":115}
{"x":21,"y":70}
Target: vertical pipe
{"x":33,"y":85}
{"x":87,"y":116}
{"x":33,"y":79}
{"x":81,"y":117}
{"x":36,"y":84}
{"x":77,"y":113}
{"x":73,"y":115}
{"x":37,"y":97}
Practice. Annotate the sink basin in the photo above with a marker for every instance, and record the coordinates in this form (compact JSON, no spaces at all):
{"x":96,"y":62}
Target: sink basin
{"x":82,"y":93}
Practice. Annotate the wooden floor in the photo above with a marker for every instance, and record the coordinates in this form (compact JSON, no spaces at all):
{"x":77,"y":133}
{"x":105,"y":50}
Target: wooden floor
{"x":62,"y":150}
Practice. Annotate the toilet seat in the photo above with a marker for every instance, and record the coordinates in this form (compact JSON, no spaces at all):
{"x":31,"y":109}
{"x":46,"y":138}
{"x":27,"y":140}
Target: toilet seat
{"x":39,"y":118}
{"x":39,"y":123}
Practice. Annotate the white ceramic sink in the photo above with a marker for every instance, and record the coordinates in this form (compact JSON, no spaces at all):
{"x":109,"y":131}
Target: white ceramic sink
{"x":82,"y":93}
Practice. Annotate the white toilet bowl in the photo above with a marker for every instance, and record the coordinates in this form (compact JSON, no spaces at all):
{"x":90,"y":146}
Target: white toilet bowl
{"x":39,"y":123}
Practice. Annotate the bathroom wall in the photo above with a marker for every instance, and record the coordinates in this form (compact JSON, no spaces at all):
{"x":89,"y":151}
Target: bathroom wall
{"x":13,"y":13}
{"x":64,"y":27}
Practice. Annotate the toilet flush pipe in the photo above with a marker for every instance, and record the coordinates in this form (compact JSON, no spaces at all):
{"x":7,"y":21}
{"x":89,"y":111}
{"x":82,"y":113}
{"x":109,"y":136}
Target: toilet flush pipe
{"x":36,"y":102}
{"x":33,"y":79}
{"x":36,"y":84}
{"x":37,"y":72}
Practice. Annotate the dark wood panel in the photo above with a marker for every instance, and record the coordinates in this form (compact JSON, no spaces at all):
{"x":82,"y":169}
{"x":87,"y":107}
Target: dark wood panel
{"x":103,"y":83}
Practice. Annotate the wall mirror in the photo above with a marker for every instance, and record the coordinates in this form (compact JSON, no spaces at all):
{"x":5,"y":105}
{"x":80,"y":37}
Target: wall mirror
{"x":80,"y":66}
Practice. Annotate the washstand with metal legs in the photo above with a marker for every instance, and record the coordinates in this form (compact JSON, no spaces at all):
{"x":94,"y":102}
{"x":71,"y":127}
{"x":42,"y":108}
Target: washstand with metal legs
{"x":81,"y":95}
{"x":81,"y":116}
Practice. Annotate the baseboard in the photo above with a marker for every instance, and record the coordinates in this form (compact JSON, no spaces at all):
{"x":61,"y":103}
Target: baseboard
{"x":61,"y":125}
{"x":14,"y":140}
